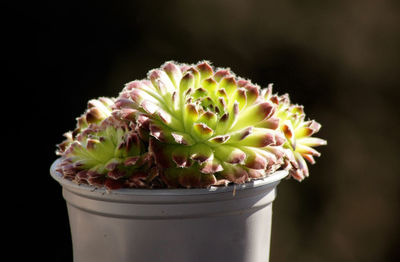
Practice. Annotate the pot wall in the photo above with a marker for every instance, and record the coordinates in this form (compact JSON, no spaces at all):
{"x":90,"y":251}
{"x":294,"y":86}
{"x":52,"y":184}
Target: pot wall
{"x":177,"y":225}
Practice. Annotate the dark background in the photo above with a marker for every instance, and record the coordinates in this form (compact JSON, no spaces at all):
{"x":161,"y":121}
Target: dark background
{"x":340,"y":59}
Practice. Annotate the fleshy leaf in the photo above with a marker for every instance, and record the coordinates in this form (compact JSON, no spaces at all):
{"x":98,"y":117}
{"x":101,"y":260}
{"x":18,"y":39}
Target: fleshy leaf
{"x":180,"y":155}
{"x":235,"y":174}
{"x":208,"y":118}
{"x":201,"y":152}
{"x":229,"y":154}
{"x":202,"y":131}
{"x":259,"y":138}
{"x":173,"y":72}
{"x":229,"y":85}
{"x":254,"y":114}
{"x":205,"y":70}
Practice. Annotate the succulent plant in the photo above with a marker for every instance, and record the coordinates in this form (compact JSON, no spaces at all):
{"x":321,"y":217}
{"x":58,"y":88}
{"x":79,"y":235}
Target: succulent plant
{"x":104,"y":151}
{"x":206,"y":126}
{"x":97,"y":110}
{"x":188,"y":126}
{"x":299,"y":143}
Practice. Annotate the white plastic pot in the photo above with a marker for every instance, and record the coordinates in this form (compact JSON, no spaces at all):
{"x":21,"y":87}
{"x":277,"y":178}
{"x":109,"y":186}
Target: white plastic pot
{"x":230,"y":223}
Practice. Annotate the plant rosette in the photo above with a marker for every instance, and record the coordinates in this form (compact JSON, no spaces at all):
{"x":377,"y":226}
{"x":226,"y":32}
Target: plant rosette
{"x":190,"y":152}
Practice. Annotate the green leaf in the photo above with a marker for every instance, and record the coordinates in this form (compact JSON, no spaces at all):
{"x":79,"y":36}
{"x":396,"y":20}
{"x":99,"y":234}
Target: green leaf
{"x":208,"y":118}
{"x":201,"y":152}
{"x":205,"y":70}
{"x":229,"y":154}
{"x":173,"y":72}
{"x":180,"y":155}
{"x":254,"y":114}
{"x":234,"y":173}
{"x":202,"y":131}
{"x":190,"y":115}
{"x":229,"y":85}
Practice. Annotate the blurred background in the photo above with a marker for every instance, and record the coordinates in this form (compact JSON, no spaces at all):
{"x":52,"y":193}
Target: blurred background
{"x":340,"y":59}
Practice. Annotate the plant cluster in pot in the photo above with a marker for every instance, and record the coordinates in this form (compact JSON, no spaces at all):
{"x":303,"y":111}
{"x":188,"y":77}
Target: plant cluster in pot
{"x":181,"y":166}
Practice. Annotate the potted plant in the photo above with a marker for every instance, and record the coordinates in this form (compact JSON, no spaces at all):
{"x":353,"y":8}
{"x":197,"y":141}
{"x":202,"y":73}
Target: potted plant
{"x":181,"y":166}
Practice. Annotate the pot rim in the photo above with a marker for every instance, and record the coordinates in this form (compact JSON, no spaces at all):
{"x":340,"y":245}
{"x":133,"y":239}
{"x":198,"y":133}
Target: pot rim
{"x":271,"y":179}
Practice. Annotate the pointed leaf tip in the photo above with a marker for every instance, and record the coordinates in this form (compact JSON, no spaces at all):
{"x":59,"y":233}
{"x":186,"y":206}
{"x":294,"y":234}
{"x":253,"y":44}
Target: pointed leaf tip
{"x":205,"y":70}
{"x":203,"y":130}
{"x":182,"y":138}
{"x":219,"y":139}
{"x":220,"y":74}
{"x":201,"y":152}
